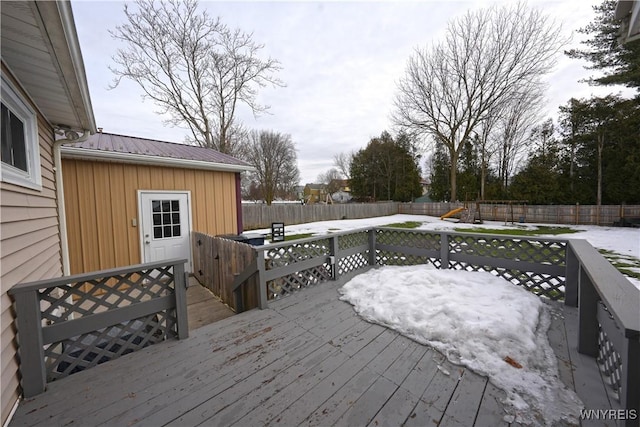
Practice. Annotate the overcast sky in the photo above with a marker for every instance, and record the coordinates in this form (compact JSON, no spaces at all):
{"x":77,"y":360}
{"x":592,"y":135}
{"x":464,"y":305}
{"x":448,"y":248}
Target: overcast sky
{"x":341,"y":62}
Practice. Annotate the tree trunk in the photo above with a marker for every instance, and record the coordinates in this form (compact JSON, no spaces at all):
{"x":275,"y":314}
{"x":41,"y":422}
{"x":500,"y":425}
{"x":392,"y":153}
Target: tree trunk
{"x":599,"y":190}
{"x":453,"y":175}
{"x":483,"y":172}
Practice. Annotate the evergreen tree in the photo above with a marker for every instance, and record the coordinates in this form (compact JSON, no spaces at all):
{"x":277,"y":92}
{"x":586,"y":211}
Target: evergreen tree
{"x":386,"y":170}
{"x":469,"y":172}
{"x":440,"y":174}
{"x":619,"y":62}
{"x":539,"y":182}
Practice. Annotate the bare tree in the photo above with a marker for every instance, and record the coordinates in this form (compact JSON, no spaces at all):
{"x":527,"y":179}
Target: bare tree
{"x":328,"y":177}
{"x":274,"y":157}
{"x":485,"y":59}
{"x":514,"y":124}
{"x":193,"y":67}
{"x":342,"y":162}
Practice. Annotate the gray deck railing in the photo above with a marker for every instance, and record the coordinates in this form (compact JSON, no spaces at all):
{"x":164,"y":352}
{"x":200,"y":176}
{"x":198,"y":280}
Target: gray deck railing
{"x":609,"y":320}
{"x":558,"y":269}
{"x":72,"y":323}
{"x":537,"y":264}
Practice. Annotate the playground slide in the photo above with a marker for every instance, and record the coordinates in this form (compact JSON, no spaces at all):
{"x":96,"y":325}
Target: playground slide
{"x":452,"y":212}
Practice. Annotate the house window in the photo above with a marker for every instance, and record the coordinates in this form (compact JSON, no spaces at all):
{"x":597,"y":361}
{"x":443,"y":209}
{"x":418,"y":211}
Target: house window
{"x":20,"y":153}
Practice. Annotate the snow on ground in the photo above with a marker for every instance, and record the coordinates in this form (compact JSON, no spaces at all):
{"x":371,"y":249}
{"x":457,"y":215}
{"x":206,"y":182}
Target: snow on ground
{"x":622,"y":241}
{"x":463,"y":314}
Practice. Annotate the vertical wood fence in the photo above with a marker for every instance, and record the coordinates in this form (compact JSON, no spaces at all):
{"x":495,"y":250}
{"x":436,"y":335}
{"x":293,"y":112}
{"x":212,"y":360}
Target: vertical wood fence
{"x":261,"y":216}
{"x":216,"y":263}
{"x":546,"y":214}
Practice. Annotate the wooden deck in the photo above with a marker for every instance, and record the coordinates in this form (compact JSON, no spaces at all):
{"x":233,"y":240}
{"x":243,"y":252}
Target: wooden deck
{"x":308,"y":359}
{"x":203,"y":307}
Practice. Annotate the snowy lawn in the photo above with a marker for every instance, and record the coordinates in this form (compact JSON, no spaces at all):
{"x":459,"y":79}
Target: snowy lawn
{"x":477,"y":320}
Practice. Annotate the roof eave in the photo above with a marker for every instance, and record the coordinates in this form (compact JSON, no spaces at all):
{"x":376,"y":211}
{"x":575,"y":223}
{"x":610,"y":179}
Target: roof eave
{"x":59,"y":25}
{"x":141,"y":159}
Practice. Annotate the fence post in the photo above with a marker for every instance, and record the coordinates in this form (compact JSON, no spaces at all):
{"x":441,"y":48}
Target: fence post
{"x":372,"y":246}
{"x":180,"y":288}
{"x":29,"y":322}
{"x":262,"y":283}
{"x":444,"y":250}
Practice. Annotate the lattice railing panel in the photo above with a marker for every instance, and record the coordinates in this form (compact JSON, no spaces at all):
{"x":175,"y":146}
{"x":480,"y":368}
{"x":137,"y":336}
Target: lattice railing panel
{"x":546,"y":285}
{"x":347,"y":241}
{"x":291,"y":254}
{"x":400,"y":258}
{"x":87,"y":350}
{"x":286,"y":285}
{"x":80,"y":299}
{"x":539,"y":252}
{"x":353,"y":262}
{"x":408,"y":239}
{"x":609,"y":359}
{"x":286,"y":255}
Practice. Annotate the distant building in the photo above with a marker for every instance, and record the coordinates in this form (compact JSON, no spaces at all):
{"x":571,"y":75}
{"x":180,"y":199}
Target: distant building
{"x":315,"y":193}
{"x":340,"y":190}
{"x":426,"y":186}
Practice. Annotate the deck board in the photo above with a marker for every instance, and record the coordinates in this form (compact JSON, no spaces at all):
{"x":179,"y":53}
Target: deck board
{"x":307,"y":360}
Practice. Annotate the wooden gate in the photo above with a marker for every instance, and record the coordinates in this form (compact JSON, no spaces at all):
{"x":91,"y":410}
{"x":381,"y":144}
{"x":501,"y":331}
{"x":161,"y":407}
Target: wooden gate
{"x":216,"y":263}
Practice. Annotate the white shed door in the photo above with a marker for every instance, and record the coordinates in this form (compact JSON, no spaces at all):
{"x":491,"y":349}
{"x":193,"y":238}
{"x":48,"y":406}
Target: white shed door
{"x":165,"y":226}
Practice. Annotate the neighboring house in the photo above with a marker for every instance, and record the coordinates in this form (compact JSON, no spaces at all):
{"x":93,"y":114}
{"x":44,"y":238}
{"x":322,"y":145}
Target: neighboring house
{"x":44,"y":90}
{"x":426,"y":186}
{"x":628,"y":12}
{"x":299,"y":190}
{"x":315,"y":193}
{"x":339,"y":185}
{"x":131,"y":200}
{"x":340,"y":191}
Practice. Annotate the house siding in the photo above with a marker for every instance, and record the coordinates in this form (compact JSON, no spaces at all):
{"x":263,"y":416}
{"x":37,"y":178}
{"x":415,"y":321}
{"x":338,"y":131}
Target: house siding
{"x":29,"y":250}
{"x":101,"y":202}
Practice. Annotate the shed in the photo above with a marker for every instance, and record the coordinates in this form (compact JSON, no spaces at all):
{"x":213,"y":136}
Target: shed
{"x":130,"y":200}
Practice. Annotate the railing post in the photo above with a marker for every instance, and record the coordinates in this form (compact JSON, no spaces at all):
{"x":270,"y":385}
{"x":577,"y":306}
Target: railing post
{"x":372,"y":246}
{"x":29,"y":322}
{"x":444,"y":250}
{"x":572,"y":276}
{"x":180,"y":288}
{"x":333,"y":252}
{"x":587,"y":318}
{"x":262,"y":283}
{"x":630,"y":378}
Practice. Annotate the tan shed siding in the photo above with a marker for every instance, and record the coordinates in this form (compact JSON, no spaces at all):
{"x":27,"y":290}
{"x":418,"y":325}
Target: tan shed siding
{"x":29,"y":250}
{"x":101,"y":202}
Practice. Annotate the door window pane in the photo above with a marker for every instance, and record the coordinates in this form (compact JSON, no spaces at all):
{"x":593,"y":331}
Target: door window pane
{"x":167,"y":223}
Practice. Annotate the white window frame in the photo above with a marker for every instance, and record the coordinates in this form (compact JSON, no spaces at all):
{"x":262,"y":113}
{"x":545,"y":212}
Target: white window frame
{"x":32,"y":178}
